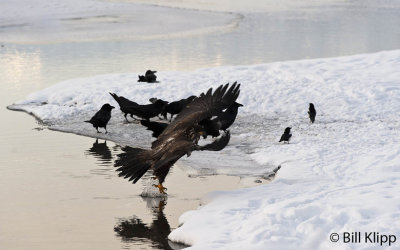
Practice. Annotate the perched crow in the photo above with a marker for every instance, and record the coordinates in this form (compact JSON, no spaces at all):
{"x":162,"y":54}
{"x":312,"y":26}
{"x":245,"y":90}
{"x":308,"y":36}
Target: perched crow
{"x":153,"y":100}
{"x":149,"y":77}
{"x":124,"y":104}
{"x":101,"y":118}
{"x":286,"y":135}
{"x":156,"y":127}
{"x":174,"y":108}
{"x":312,"y":113}
{"x":227,"y":118}
{"x":148,"y":111}
{"x":179,"y":138}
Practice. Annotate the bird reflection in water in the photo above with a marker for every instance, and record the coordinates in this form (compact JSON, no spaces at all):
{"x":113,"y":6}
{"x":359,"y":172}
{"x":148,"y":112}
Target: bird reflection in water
{"x":101,"y":152}
{"x":133,"y":229}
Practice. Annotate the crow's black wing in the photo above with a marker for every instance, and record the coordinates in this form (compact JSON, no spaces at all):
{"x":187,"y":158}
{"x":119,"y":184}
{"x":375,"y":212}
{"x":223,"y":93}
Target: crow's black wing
{"x":100,"y":117}
{"x":218,"y":144}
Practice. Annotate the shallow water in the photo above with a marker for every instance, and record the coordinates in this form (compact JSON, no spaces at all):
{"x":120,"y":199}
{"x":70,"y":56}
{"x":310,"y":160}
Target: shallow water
{"x":59,"y":191}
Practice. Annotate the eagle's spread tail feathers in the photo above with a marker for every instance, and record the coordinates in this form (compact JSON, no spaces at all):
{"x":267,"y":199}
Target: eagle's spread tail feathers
{"x":134,"y":163}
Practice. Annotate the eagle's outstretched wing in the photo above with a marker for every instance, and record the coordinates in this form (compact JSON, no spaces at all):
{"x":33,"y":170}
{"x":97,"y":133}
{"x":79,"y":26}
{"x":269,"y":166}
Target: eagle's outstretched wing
{"x":179,"y":138}
{"x":205,"y":106}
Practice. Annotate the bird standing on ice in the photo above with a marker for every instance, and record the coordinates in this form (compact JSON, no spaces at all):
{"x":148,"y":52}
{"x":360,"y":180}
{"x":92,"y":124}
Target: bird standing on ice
{"x":286,"y":135}
{"x":101,"y":118}
{"x":312,"y":113}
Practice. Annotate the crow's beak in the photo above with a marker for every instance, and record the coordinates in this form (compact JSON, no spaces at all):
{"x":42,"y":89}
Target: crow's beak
{"x":240,"y":105}
{"x":112,"y":107}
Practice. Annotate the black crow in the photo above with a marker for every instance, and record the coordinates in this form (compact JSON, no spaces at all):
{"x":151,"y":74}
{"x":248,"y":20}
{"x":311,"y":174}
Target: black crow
{"x":180,"y":137}
{"x":227,"y":118}
{"x":148,"y":111}
{"x":156,"y":127}
{"x":149,"y":77}
{"x":312,"y":113}
{"x":153,"y":100}
{"x":101,"y":118}
{"x":174,"y":108}
{"x":286,"y":135}
{"x":124,"y":104}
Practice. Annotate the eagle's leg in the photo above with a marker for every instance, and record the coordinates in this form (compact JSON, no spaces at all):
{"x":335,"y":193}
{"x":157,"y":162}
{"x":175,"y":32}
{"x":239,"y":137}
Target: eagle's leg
{"x":160,"y":188}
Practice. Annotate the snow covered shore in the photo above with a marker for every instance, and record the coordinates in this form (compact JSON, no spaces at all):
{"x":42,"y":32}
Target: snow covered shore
{"x":338,"y":175}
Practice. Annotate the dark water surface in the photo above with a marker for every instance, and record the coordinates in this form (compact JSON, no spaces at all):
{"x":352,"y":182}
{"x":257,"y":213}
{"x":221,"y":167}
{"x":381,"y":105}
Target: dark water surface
{"x":59,"y":191}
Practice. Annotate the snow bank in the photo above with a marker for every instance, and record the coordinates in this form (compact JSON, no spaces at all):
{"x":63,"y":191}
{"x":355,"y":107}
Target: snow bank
{"x":338,"y":175}
{"x":353,"y":88}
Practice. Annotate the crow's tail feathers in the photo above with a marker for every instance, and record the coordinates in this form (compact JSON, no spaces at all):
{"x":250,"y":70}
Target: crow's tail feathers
{"x":116,"y":97}
{"x":133,"y":163}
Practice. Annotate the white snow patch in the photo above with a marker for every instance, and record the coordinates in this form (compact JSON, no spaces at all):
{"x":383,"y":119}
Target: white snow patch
{"x":338,"y":175}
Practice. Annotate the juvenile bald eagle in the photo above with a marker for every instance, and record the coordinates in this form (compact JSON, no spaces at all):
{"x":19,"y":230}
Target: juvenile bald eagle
{"x":179,"y":138}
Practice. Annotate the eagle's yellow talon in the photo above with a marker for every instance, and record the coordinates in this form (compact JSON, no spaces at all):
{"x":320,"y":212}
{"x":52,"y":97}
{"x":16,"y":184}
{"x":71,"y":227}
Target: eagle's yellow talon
{"x":160,"y":188}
